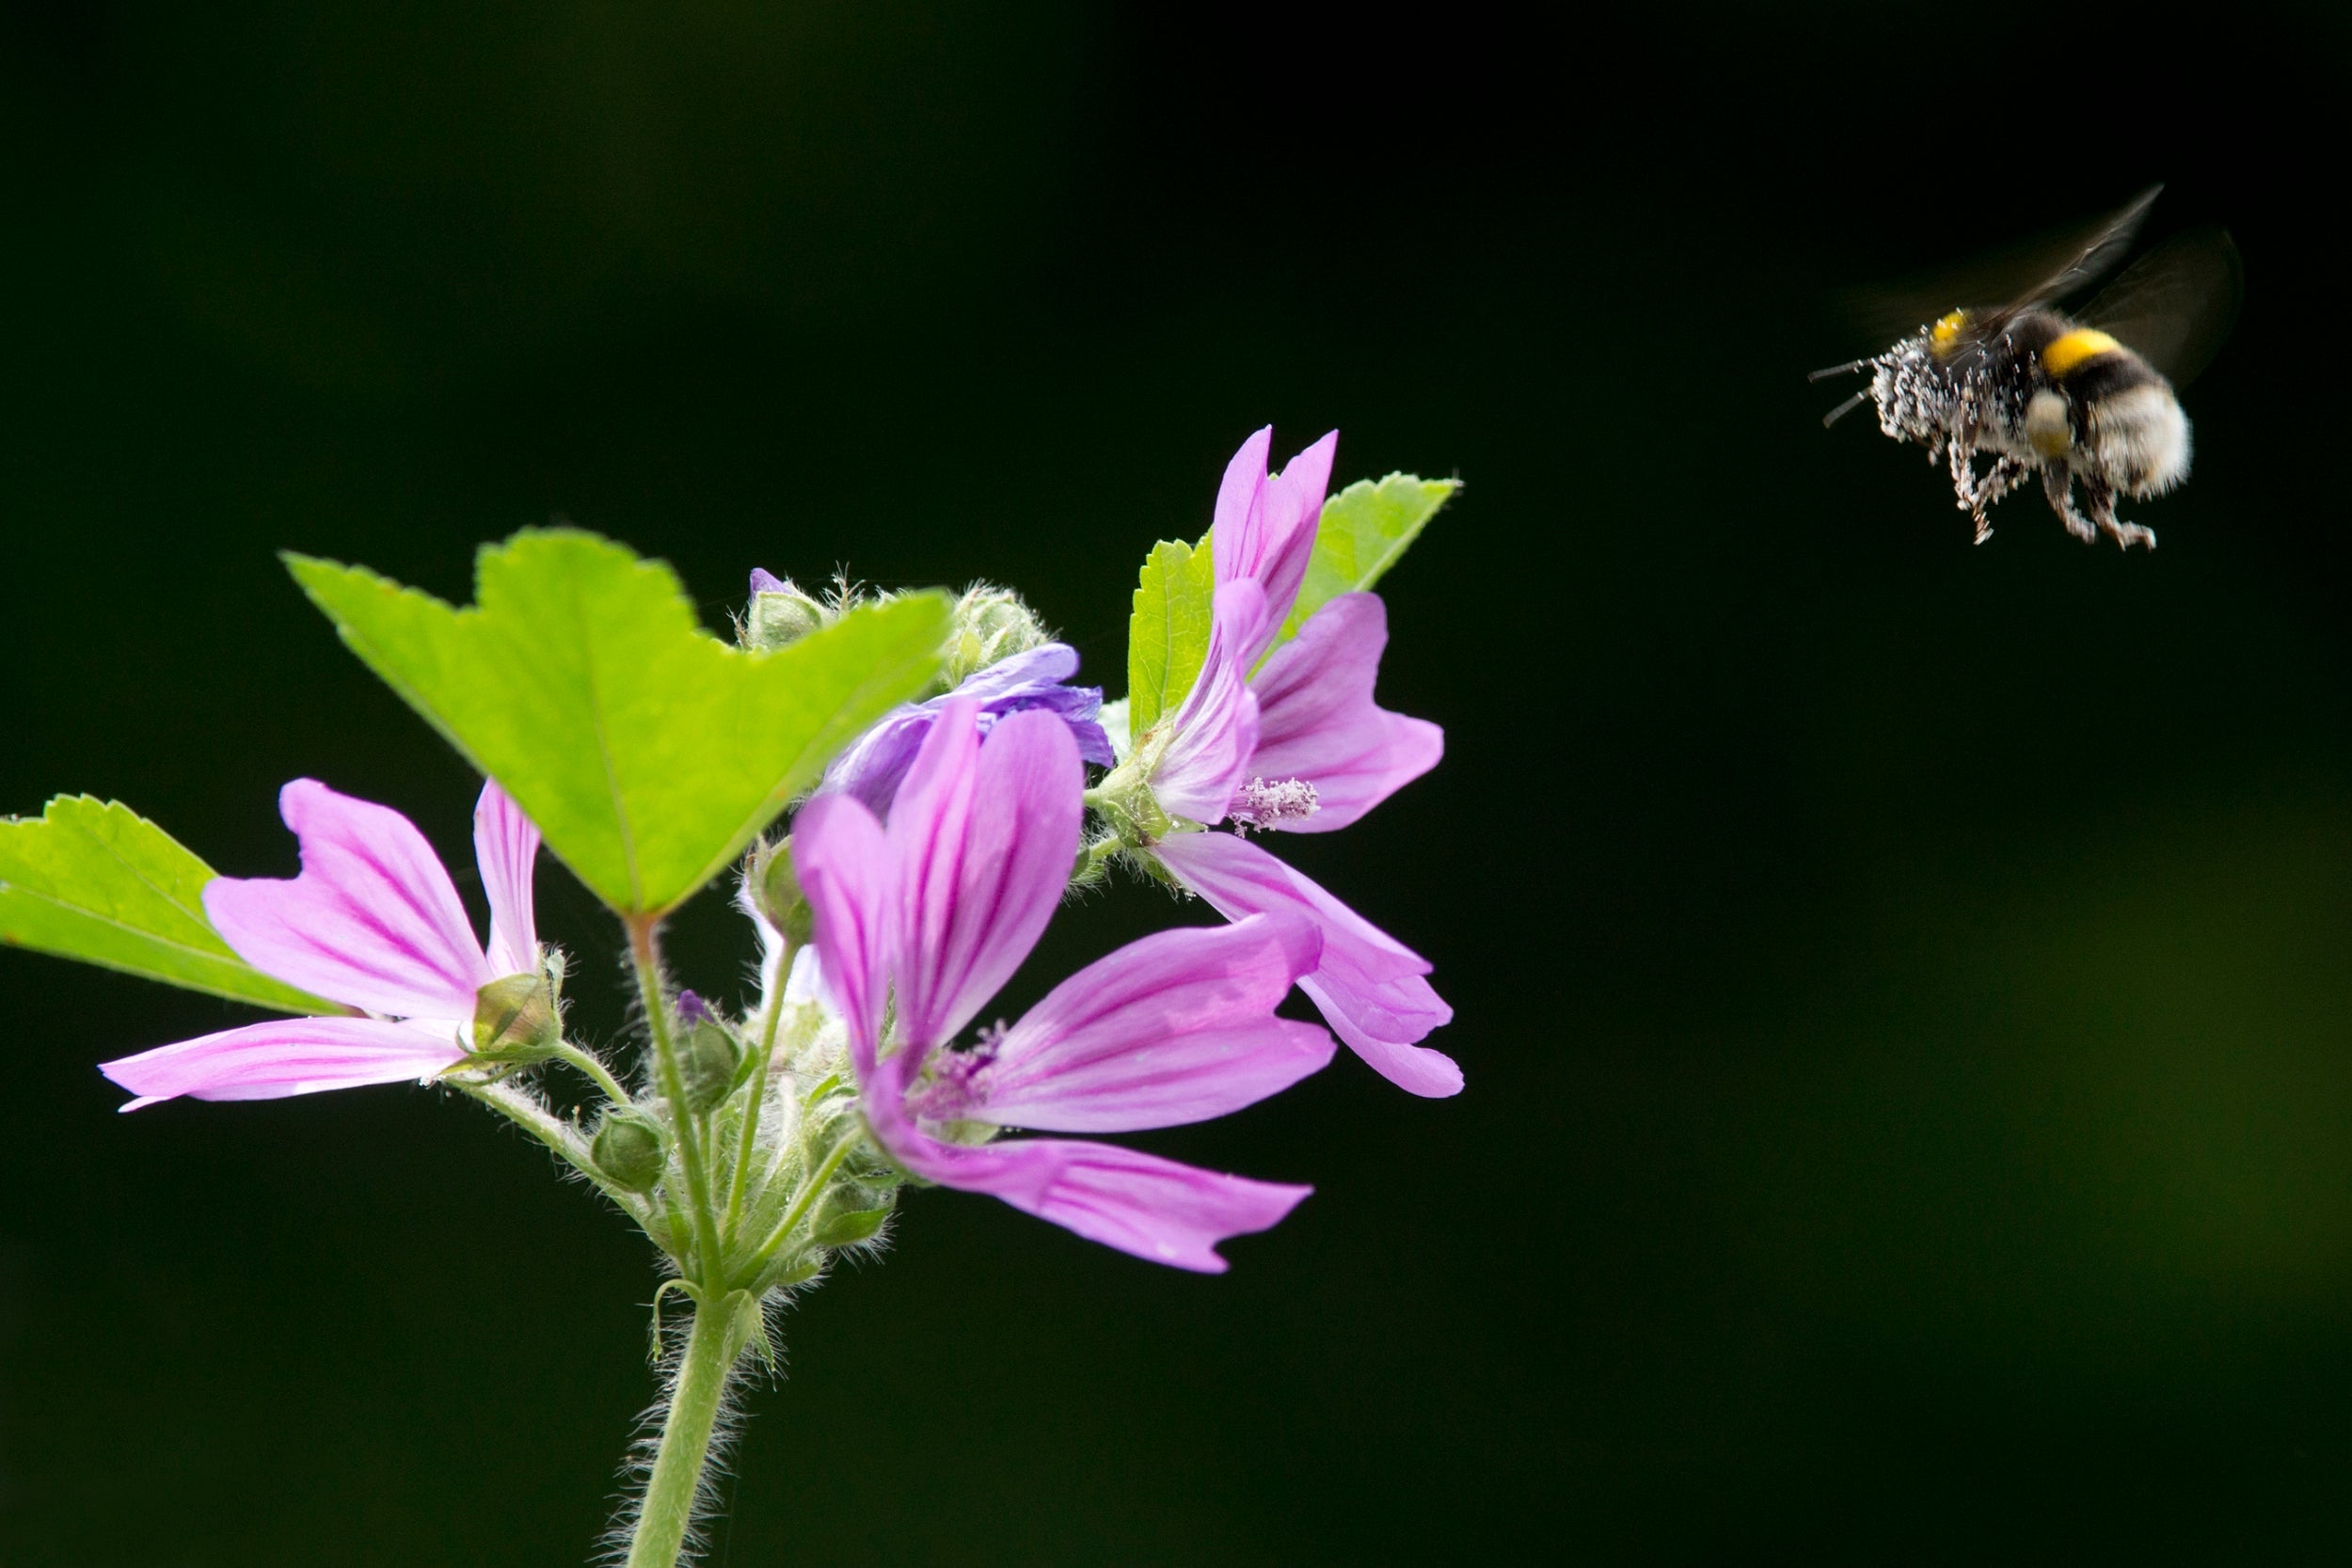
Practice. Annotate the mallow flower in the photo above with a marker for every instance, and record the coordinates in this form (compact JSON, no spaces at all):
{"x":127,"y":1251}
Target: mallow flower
{"x":1296,"y":744}
{"x":373,"y":923}
{"x":920,"y":923}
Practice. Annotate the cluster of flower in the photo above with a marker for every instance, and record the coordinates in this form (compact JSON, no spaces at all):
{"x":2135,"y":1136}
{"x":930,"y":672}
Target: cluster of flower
{"x":913,"y":883}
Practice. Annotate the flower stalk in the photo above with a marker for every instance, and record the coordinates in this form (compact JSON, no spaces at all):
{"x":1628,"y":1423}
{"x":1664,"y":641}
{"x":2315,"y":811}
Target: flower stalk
{"x":723,"y":1327}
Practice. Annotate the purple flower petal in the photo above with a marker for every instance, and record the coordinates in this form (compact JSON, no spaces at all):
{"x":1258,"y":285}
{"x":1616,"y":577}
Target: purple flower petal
{"x":1215,"y":729}
{"x":765,"y":581}
{"x":506,"y":847}
{"x":848,"y":872}
{"x":1040,"y":669}
{"x":1265,"y":526}
{"x":285,"y":1056}
{"x":1367,"y":985}
{"x":373,"y":920}
{"x":875,"y":764}
{"x":1175,"y":1028}
{"x":1317,"y":721}
{"x":1155,"y":1209}
{"x":985,"y":834}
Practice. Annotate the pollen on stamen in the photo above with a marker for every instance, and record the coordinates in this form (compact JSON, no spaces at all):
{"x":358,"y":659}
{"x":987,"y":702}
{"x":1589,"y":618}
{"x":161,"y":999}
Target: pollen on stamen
{"x":1259,"y":805}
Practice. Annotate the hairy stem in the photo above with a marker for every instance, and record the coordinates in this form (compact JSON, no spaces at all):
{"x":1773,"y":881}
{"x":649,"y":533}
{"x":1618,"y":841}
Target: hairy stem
{"x":534,"y":1118}
{"x":721,"y":1326}
{"x":595,"y":1071}
{"x":749,"y":1132}
{"x":648,"y":966}
{"x":812,"y":1186}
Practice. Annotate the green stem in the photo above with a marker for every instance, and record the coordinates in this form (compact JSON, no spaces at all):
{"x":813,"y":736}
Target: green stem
{"x":810,"y":1188}
{"x":759,"y":1095}
{"x":648,"y":966}
{"x":720,"y":1329}
{"x":596,"y":1069}
{"x":534,"y":1118}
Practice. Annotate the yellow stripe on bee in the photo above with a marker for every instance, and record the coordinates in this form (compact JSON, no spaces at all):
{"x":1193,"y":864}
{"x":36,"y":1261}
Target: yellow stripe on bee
{"x":2083,"y":343}
{"x":1947,"y":330}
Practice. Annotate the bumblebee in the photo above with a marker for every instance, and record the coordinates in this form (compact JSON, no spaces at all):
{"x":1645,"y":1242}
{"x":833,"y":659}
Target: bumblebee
{"x":2085,"y":401}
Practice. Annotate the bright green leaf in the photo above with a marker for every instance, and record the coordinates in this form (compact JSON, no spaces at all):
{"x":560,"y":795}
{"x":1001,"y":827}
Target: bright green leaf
{"x":1365,"y":528}
{"x":1168,"y":636}
{"x":94,"y":880}
{"x":649,"y":753}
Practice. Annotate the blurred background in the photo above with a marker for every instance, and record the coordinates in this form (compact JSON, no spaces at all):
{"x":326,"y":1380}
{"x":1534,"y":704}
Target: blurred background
{"x":1904,"y":987}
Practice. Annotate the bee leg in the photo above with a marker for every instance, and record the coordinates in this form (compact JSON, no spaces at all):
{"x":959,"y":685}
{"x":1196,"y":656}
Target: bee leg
{"x":2101,"y":499}
{"x":1979,"y":495}
{"x":2058,"y":487}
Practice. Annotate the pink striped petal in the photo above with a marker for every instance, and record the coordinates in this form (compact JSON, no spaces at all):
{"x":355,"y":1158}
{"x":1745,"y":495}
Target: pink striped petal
{"x":372,"y":921}
{"x":1215,"y":729}
{"x":848,"y":872}
{"x":1317,"y":720}
{"x":1367,"y":985}
{"x":1175,"y":1028}
{"x":506,"y":847}
{"x":285,"y":1056}
{"x":1237,"y":527}
{"x":1158,"y":1210}
{"x":985,"y":834}
{"x":1265,"y":526}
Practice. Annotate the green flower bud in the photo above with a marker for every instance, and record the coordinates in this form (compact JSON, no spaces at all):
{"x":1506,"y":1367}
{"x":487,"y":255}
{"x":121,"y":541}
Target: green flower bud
{"x":776,"y":889}
{"x":627,"y":1148}
{"x":781,"y":618}
{"x":515,"y":1019}
{"x":991,"y":625}
{"x":798,"y":1269}
{"x":710,"y":1060}
{"x":851,"y":1214}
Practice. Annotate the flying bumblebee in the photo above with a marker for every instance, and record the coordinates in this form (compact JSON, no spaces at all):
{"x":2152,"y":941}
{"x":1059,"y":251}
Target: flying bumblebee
{"x":2087,"y":399}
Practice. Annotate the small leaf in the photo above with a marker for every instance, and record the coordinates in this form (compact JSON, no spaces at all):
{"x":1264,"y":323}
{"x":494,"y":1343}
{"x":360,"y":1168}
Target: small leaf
{"x":94,"y":880}
{"x":1168,"y":636}
{"x":1365,"y":528}
{"x":649,"y":753}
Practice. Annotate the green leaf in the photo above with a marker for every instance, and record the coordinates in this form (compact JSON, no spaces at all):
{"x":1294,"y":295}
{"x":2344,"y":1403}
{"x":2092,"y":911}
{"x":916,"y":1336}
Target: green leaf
{"x":1365,"y":528}
{"x":649,"y":753}
{"x":1168,"y":636}
{"x":94,"y":880}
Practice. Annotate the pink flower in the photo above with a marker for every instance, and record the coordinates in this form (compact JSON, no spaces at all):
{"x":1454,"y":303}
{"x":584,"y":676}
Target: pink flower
{"x":924,"y":920}
{"x":373,"y":923}
{"x":1298,"y":746}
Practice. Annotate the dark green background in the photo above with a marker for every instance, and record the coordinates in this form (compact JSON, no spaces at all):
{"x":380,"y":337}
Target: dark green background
{"x":1904,"y":987}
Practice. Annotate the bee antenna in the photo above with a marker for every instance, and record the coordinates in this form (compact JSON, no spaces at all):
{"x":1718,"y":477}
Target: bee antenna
{"x":1842,"y":410}
{"x":1827,"y":371}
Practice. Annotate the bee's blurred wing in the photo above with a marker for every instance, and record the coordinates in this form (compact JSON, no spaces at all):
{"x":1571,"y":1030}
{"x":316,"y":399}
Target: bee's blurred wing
{"x":2000,"y":283}
{"x":2097,"y":254}
{"x":2174,"y":307}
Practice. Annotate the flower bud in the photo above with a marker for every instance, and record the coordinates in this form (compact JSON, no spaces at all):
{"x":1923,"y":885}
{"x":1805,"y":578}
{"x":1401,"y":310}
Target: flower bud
{"x":782,"y":615}
{"x":627,"y":1148}
{"x":798,"y":1269}
{"x":515,"y":1017}
{"x":851,"y":1214}
{"x":991,"y":625}
{"x":709,"y":1058}
{"x":776,"y":890}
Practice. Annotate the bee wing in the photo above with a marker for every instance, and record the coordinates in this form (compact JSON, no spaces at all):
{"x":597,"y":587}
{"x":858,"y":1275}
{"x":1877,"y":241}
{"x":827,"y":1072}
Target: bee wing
{"x":2174,"y":307}
{"x":2096,"y":254}
{"x":2000,"y":284}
